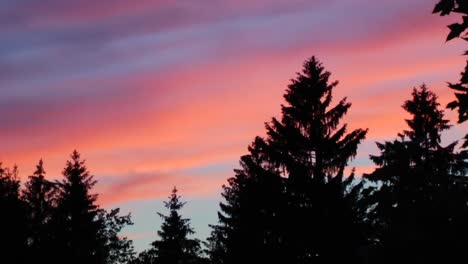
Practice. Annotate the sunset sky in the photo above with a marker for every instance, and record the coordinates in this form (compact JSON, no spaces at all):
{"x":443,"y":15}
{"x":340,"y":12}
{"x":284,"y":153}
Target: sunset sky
{"x":157,"y":93}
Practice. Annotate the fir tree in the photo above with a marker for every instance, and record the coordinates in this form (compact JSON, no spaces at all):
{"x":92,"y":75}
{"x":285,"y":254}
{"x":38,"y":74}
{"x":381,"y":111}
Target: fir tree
{"x":174,"y":245}
{"x":76,"y":218}
{"x":83,"y":232}
{"x":310,"y":147}
{"x":415,"y":175}
{"x":39,"y":196}
{"x":252,"y":216}
{"x":290,"y":202}
{"x":214,"y":246}
{"x":13,"y":221}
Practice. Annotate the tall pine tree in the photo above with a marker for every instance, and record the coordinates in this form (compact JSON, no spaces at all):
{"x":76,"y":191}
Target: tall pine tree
{"x":290,"y":201}
{"x":13,"y":221}
{"x":76,"y":219}
{"x":252,"y":216}
{"x":39,"y":195}
{"x":415,"y":182}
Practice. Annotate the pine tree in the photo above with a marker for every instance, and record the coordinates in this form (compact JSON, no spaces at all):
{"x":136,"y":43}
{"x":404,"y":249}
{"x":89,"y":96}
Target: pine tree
{"x":175,"y":246}
{"x":415,"y":179}
{"x":76,"y":219}
{"x":290,"y":201}
{"x":252,"y":215}
{"x":39,"y":196}
{"x":312,"y":149}
{"x":13,"y":221}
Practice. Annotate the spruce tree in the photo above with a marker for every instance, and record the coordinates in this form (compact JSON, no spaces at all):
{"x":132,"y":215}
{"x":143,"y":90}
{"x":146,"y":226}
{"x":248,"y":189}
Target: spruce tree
{"x":414,"y":191}
{"x":252,"y":216}
{"x":311,"y":149}
{"x":39,"y":196}
{"x":174,"y":245}
{"x":76,"y":220}
{"x":214,"y":246}
{"x":13,"y":221}
{"x":289,"y":201}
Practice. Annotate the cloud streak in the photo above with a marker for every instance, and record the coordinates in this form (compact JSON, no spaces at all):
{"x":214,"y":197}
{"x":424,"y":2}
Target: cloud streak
{"x":159,"y":93}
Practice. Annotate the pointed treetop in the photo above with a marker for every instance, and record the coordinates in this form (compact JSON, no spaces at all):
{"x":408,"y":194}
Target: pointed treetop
{"x":305,"y":92}
{"x":427,"y":121}
{"x":40,"y":169}
{"x":75,"y":160}
{"x":174,"y":201}
{"x":14,"y":174}
{"x":309,"y":131}
{"x":76,"y":167}
{"x":77,"y":176}
{"x":76,"y":157}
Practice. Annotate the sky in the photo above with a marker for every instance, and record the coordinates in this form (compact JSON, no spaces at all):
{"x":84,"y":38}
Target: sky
{"x":159,"y":93}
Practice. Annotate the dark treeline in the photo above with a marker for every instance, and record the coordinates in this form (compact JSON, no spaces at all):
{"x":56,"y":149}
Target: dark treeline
{"x":293,"y":200}
{"x":58,"y":222}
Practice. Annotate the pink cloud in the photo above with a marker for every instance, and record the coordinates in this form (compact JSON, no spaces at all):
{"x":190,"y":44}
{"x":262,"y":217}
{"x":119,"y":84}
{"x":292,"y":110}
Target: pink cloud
{"x":153,"y":185}
{"x":225,"y":98}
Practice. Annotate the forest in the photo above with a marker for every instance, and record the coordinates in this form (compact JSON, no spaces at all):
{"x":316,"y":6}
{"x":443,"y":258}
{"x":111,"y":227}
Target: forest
{"x":290,"y":201}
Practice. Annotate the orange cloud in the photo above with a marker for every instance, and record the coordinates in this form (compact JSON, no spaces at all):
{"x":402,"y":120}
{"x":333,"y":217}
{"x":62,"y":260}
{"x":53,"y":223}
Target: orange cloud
{"x":204,"y":107}
{"x":152,"y":185}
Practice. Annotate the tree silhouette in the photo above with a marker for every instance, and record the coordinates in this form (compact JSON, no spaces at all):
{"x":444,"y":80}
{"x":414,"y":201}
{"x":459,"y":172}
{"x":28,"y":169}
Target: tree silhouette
{"x":174,"y":245}
{"x":117,"y":249}
{"x":40,"y":197}
{"x":214,"y":246}
{"x":290,"y":201}
{"x":13,"y":221}
{"x":76,"y":218}
{"x":145,"y":257}
{"x":410,"y":202}
{"x":311,"y":149}
{"x":458,"y":30}
{"x":251,"y":217}
{"x":445,"y":7}
{"x":59,"y":222}
{"x":83,"y":232}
